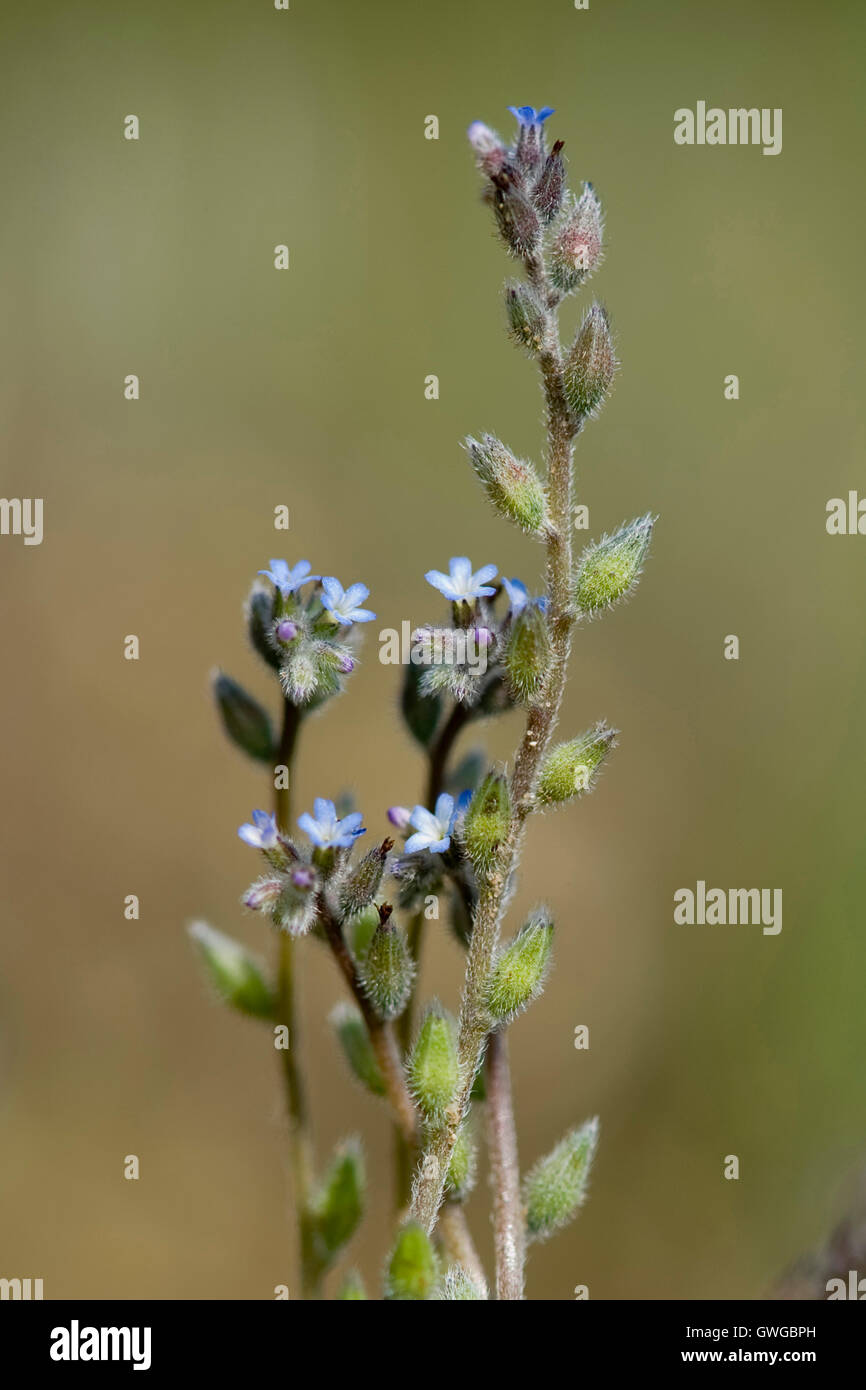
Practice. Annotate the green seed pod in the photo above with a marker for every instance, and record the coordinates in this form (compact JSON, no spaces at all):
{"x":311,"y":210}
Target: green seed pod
{"x":245,"y":722}
{"x":361,"y":929}
{"x":591,"y":364}
{"x":512,"y":484}
{"x":354,"y":1039}
{"x":413,"y":1267}
{"x":433,"y":1070}
{"x":352,"y":1288}
{"x":238,"y":976}
{"x":555,"y":1188}
{"x":462,"y":1166}
{"x":487,"y":820}
{"x":458,"y":1285}
{"x":525,"y":316}
{"x":338,"y":1205}
{"x":518,"y":973}
{"x":362,"y":885}
{"x":527,"y":653}
{"x":388,"y":971}
{"x":572,"y":768}
{"x":609,"y":569}
{"x":577,"y":238}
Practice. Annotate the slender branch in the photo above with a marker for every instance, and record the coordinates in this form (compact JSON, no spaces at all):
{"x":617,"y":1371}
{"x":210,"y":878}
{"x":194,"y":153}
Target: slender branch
{"x":508,"y":1220}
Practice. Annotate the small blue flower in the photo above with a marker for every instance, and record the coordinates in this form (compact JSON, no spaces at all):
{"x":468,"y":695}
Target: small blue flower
{"x":262,"y":834}
{"x":433,"y":828}
{"x":342,"y":604}
{"x":527,"y":115}
{"x":461,"y":583}
{"x":518,"y":596}
{"x":326,"y":831}
{"x":288,"y":579}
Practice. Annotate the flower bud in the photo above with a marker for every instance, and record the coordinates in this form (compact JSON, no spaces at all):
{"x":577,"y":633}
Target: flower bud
{"x":490,"y":150}
{"x":287,"y":630}
{"x":363,"y":883}
{"x":264,"y":894}
{"x":576,"y":249}
{"x":516,"y":218}
{"x":354,"y":1039}
{"x":352,"y":1288}
{"x":487,"y":820}
{"x":548,"y":192}
{"x":361,"y":929}
{"x":413,"y":1267}
{"x":338,"y":1205}
{"x":260,"y":620}
{"x":526,"y":322}
{"x":458,"y":1285}
{"x":433,"y":1070}
{"x":572,"y":768}
{"x":512,"y":484}
{"x":609,"y":569}
{"x":591,"y":364}
{"x":299,"y":674}
{"x":388,"y":970}
{"x":519,"y":971}
{"x":237,"y":975}
{"x":554,"y":1189}
{"x":295,"y":909}
{"x":246,"y":723}
{"x":527,"y":653}
{"x":462,"y":1166}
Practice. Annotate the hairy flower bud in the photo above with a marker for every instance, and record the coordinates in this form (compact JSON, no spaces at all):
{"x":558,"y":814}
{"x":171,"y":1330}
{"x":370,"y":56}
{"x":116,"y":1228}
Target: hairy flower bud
{"x":519,"y":971}
{"x":527,"y":653}
{"x":512,"y":484}
{"x":457,"y":1285}
{"x":361,"y":929}
{"x":572,"y":768}
{"x":246,"y":723}
{"x":338,"y":1204}
{"x":576,"y":249}
{"x":413,"y":1268}
{"x":547,"y":195}
{"x":526,"y":322}
{"x":362,"y":885}
{"x":609,"y":569}
{"x":487,"y":820}
{"x":490,"y":150}
{"x":518,"y":222}
{"x":299,"y":675}
{"x":237,"y":975}
{"x":354,"y":1039}
{"x":591,"y":364}
{"x":432,"y":1068}
{"x":554,"y":1189}
{"x":462,"y":1166}
{"x":388,"y":971}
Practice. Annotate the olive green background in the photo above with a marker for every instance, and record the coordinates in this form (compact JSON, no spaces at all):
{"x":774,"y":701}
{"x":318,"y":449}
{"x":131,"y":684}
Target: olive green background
{"x":306,"y":388}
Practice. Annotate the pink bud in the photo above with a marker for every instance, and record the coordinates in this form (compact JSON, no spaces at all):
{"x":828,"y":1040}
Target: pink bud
{"x":287,"y":631}
{"x":399,"y":817}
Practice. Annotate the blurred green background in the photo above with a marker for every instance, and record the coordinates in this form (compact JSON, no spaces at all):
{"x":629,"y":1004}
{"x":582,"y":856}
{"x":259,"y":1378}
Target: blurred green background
{"x":306,"y":388}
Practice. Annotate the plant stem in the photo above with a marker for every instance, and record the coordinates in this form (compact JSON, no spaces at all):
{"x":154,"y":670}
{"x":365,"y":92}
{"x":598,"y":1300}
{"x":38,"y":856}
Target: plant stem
{"x":508,"y":1221}
{"x":458,"y":1243}
{"x":541,"y":722}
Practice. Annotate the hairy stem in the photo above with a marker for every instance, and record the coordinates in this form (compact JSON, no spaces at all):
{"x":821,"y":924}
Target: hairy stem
{"x":508,"y":1222}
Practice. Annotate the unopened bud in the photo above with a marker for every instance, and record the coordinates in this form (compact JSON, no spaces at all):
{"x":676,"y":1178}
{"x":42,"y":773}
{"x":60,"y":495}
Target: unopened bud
{"x":527,"y":653}
{"x":591,"y":364}
{"x":299,"y":675}
{"x":388,"y":970}
{"x":487,"y":820}
{"x":338,"y":1205}
{"x":246,"y":723}
{"x":554,"y":1189}
{"x":362,"y":885}
{"x":260,"y":623}
{"x":361,"y":929}
{"x":354,"y":1039}
{"x":352,"y":1288}
{"x":287,"y":630}
{"x":576,"y":249}
{"x":457,"y":1285}
{"x":609,"y":569}
{"x":526,"y":321}
{"x":462,"y":1166}
{"x":432,"y":1068}
{"x":264,"y":894}
{"x":399,"y":816}
{"x":519,"y":971}
{"x":572,"y":768}
{"x":413,"y":1267}
{"x":490,"y":150}
{"x":512,"y":484}
{"x":518,"y":222}
{"x":237,"y":975}
{"x":548,"y":192}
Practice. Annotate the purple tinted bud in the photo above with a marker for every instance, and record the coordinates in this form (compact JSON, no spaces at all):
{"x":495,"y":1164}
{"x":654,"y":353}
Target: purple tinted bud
{"x":483,"y":636}
{"x":303,"y":877}
{"x":346,"y":666}
{"x":263,"y":894}
{"x":287,"y":631}
{"x":399,"y":816}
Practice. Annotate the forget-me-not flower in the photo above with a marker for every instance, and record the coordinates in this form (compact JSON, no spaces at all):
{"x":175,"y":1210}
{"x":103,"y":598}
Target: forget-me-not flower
{"x":433,"y":828}
{"x":518,"y":596}
{"x":262,"y":834}
{"x":527,"y":115}
{"x":325,"y":830}
{"x":461,"y":583}
{"x":289,"y":578}
{"x":342,"y":603}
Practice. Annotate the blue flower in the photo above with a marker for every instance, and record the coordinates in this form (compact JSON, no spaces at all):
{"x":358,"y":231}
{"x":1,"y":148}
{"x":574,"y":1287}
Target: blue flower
{"x":288,"y":579}
{"x":527,"y":115}
{"x":518,"y":596}
{"x":461,"y":583}
{"x":262,"y":834}
{"x":342,"y":603}
{"x":433,"y":828}
{"x":325,"y":830}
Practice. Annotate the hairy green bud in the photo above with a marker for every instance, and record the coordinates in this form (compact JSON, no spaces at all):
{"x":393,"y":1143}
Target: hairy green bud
{"x":516,"y":219}
{"x":462,"y":1166}
{"x":413,"y":1267}
{"x":609,"y":569}
{"x":246,"y":723}
{"x":362,"y":885}
{"x":338,"y":1204}
{"x":354,"y":1039}
{"x":572,"y":768}
{"x":591,"y":364}
{"x":458,"y":1285}
{"x":577,"y":238}
{"x":512,"y":484}
{"x":555,"y":1188}
{"x":433,"y":1069}
{"x":487,"y":820}
{"x":526,"y":322}
{"x":518,"y":973}
{"x":352,"y":1288}
{"x":527,"y":653}
{"x":238,"y":976}
{"x":361,"y":929}
{"x":388,"y":971}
